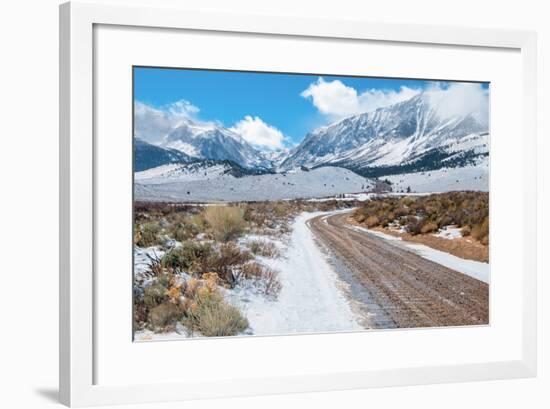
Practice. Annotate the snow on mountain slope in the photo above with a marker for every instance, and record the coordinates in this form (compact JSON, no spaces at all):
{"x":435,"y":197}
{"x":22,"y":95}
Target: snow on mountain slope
{"x":472,"y":177}
{"x":195,"y":171}
{"x":386,"y":137}
{"x":321,"y":182}
{"x":419,"y":134}
{"x":276,"y":157}
{"x":211,"y":141}
{"x":179,"y":173}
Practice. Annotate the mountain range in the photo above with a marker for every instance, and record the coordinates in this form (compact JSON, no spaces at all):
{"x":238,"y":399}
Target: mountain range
{"x":214,"y":142}
{"x":409,"y":136}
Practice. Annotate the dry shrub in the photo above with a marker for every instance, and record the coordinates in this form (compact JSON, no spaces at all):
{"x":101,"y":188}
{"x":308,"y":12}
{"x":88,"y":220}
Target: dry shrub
{"x":211,"y":316}
{"x":481,"y":231}
{"x":158,"y":307}
{"x":252,"y":271}
{"x":443,"y":209}
{"x":227,"y":222}
{"x":228,"y":262}
{"x":282,"y":208}
{"x":181,"y":232}
{"x":466,"y":231}
{"x":137,"y":233}
{"x":174,"y":292}
{"x":155,"y":267}
{"x":256,"y":214}
{"x":191,"y":287}
{"x":263,"y":248}
{"x":192,"y":257}
{"x":164,"y":316}
{"x":140,"y":313}
{"x":199,"y":258}
{"x":197,"y":303}
{"x":372,"y":221}
{"x":429,"y":227}
{"x":272,"y":286}
{"x":414,"y":225}
{"x":155,"y":293}
{"x":147,"y":234}
{"x":186,"y":226}
{"x":267,"y":278}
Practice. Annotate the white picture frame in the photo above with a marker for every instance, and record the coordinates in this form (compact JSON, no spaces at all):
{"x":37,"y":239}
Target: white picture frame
{"x":77,"y":157}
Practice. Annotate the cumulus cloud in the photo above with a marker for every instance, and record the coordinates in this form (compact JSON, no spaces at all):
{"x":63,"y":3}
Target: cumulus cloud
{"x":460,"y":99}
{"x":259,"y":134}
{"x":152,"y":124}
{"x":337,"y":100}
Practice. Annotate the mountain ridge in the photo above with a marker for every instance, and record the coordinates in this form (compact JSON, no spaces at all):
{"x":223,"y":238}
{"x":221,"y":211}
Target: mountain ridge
{"x":404,"y":137}
{"x":388,"y":136}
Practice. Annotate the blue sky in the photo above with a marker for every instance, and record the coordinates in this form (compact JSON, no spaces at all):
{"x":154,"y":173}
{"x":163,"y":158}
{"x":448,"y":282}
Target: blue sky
{"x":290,"y":103}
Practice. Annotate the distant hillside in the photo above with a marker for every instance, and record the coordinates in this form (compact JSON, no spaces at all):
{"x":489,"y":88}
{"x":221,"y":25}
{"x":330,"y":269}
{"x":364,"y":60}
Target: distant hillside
{"x":147,"y":156}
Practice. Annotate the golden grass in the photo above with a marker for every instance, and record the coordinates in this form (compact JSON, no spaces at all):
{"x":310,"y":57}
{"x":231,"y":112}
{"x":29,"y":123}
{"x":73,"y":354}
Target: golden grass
{"x":227,"y":222}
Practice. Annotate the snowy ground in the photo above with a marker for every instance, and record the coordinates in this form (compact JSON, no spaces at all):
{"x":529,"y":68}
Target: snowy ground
{"x":174,"y":172}
{"x":311,"y":298}
{"x":443,"y":180}
{"x":449,"y":233}
{"x":322,"y":182}
{"x":475,"y":269}
{"x":360,"y":197}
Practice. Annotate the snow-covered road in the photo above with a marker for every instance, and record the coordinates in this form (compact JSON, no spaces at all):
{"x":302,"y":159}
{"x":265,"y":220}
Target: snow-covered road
{"x":311,"y":298}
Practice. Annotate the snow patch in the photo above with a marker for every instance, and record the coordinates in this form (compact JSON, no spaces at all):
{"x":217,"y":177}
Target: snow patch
{"x":180,"y":173}
{"x":475,"y":177}
{"x":475,"y":269}
{"x":449,"y":233}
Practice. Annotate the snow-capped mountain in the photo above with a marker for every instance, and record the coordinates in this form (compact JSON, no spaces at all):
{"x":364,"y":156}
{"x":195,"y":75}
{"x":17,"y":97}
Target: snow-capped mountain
{"x":211,"y":141}
{"x":276,"y":157}
{"x":405,"y":137}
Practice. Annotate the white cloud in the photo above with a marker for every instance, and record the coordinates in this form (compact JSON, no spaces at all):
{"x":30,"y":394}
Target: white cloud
{"x":460,"y":99}
{"x":152,"y":124}
{"x":182,"y":108}
{"x":261,"y":135}
{"x":336,"y":100}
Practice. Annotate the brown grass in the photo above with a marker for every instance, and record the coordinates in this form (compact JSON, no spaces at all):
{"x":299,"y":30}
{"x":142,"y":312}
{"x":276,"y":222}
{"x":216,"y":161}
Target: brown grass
{"x":263,"y":248}
{"x":227,"y":222}
{"x":196,"y":303}
{"x":423,"y":215}
{"x":462,"y":247}
{"x":268,"y":279}
{"x":147,"y":234}
{"x":211,"y":316}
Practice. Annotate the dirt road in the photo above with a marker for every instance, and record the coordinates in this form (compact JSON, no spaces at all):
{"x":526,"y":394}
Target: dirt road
{"x":392,"y":287}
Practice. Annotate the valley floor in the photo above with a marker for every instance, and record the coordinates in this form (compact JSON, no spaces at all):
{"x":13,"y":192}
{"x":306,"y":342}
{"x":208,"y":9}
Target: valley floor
{"x":335,"y":276}
{"x":472,"y":177}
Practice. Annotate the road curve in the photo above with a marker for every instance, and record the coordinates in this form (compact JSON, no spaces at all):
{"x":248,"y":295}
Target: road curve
{"x":399,"y":288}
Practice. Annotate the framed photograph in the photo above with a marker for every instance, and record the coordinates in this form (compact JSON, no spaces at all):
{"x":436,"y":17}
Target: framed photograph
{"x":255,"y":204}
